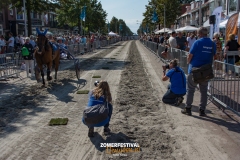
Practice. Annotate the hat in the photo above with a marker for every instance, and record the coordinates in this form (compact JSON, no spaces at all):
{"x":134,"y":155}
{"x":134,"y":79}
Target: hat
{"x":59,"y":38}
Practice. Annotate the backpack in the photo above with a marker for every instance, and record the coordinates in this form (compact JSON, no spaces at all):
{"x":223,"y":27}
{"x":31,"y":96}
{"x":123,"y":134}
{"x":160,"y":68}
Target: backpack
{"x":25,"y":51}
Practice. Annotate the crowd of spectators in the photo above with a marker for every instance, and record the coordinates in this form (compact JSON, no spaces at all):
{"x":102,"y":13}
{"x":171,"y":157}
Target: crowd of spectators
{"x":10,"y":44}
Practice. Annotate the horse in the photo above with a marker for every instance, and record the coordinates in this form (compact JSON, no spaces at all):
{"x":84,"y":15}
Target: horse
{"x":44,"y":56}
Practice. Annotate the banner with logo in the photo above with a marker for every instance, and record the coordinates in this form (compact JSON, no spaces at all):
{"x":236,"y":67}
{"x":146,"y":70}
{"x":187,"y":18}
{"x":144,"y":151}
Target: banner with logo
{"x":215,"y":28}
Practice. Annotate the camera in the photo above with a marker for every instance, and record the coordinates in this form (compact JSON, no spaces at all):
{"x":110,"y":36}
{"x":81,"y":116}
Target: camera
{"x":166,"y":66}
{"x":96,"y":83}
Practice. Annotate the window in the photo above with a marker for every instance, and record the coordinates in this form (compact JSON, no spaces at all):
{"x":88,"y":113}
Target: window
{"x":10,"y":10}
{"x":20,"y":14}
{"x":232,"y":5}
{"x":34,"y":15}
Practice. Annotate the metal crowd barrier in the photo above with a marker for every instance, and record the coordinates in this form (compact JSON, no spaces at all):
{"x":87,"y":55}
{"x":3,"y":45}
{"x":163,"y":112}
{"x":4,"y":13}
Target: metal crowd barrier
{"x":10,"y":65}
{"x":224,"y":88}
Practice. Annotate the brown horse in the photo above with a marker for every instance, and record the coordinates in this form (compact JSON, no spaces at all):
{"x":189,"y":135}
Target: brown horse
{"x":44,"y":55}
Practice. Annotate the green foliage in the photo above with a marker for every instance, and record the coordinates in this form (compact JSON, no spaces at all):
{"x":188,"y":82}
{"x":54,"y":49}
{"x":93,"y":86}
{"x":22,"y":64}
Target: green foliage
{"x":114,"y":27}
{"x":38,"y":6}
{"x":68,"y":13}
{"x":58,"y":121}
{"x":171,"y":11}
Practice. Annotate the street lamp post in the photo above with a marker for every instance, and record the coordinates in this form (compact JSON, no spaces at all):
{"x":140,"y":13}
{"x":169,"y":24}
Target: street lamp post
{"x":164,"y":17}
{"x":199,"y":12}
{"x":25,"y":20}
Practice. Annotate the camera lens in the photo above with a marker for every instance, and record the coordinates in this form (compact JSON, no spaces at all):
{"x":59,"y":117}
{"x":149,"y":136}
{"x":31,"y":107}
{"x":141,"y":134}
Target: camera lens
{"x":96,"y":83}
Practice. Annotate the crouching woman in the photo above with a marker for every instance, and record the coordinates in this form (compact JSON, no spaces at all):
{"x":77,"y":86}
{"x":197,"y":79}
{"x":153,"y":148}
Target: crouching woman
{"x":100,"y":95}
{"x":177,"y":87}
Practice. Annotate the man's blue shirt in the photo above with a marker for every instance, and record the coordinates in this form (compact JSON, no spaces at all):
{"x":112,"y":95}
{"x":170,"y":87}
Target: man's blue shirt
{"x":202,"y":53}
{"x":84,"y":40}
{"x":177,"y":80}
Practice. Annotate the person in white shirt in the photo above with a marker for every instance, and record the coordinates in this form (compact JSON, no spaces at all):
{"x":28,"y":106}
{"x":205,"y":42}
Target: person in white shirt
{"x":191,"y":40}
{"x":21,"y":40}
{"x":2,"y":44}
{"x":10,"y":43}
{"x":172,"y":40}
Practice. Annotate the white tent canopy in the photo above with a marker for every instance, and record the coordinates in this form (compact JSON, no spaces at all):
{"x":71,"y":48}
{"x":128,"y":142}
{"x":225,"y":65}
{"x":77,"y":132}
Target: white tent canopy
{"x":112,"y":34}
{"x":206,"y":24}
{"x":187,"y":28}
{"x":223,"y":23}
{"x":162,"y":30}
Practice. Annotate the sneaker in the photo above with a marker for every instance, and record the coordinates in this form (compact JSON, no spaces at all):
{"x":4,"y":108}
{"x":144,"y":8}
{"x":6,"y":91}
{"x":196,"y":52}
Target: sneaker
{"x":91,"y":132}
{"x":186,"y":111}
{"x":202,"y":112}
{"x":179,"y":100}
{"x":106,"y":131}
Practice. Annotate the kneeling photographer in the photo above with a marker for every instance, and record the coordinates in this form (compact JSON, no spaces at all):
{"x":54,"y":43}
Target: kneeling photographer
{"x":177,"y":87}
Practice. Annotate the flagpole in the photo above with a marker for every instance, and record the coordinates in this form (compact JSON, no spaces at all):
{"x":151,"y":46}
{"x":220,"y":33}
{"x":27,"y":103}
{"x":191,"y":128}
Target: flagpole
{"x":25,"y":19}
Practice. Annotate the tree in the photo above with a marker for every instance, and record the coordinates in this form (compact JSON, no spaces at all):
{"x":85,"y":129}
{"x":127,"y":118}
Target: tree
{"x":38,"y":6}
{"x":172,"y":10}
{"x":70,"y":10}
{"x":97,"y":16}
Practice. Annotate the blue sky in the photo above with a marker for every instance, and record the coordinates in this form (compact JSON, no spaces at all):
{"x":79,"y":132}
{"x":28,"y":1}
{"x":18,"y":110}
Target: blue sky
{"x":128,"y":10}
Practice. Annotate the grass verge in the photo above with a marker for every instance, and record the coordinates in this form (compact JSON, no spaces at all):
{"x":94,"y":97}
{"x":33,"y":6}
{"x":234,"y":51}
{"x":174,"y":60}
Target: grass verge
{"x":83,"y":92}
{"x":58,"y":121}
{"x":96,"y":76}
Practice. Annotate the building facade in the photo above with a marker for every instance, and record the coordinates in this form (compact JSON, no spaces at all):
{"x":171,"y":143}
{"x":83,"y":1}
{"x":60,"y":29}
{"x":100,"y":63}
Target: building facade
{"x":13,"y":20}
{"x":197,"y":14}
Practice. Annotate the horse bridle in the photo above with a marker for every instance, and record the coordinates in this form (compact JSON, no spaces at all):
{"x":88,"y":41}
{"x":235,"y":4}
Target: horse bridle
{"x":42,"y":44}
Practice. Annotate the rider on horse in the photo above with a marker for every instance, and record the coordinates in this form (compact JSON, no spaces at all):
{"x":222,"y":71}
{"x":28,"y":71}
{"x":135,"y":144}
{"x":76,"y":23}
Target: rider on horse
{"x":53,"y":43}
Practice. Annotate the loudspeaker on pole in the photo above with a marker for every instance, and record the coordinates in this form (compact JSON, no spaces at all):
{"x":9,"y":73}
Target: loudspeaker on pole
{"x":212,"y":19}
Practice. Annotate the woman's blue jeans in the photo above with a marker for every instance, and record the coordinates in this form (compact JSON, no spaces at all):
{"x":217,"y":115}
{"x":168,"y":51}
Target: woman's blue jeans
{"x":109,"y":114}
{"x":229,"y":67}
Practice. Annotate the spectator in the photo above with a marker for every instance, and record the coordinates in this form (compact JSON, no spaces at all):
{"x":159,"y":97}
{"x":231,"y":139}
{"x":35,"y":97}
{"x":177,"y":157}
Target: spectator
{"x":21,"y":40}
{"x":177,"y":87}
{"x":29,"y":62}
{"x":218,"y":66}
{"x":181,"y":41}
{"x":100,"y":95}
{"x":91,"y":42}
{"x":201,"y":53}
{"x":32,"y":41}
{"x":172,"y":40}
{"x":17,"y":40}
{"x":2,"y":44}
{"x":161,"y":39}
{"x":232,"y":45}
{"x":190,"y":41}
{"x":10,"y":43}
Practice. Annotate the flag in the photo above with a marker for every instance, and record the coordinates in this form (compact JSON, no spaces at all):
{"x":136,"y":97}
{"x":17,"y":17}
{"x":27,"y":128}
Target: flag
{"x":231,"y":26}
{"x":154,"y":17}
{"x":120,"y":27}
{"x":215,"y":28}
{"x":83,"y":13}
